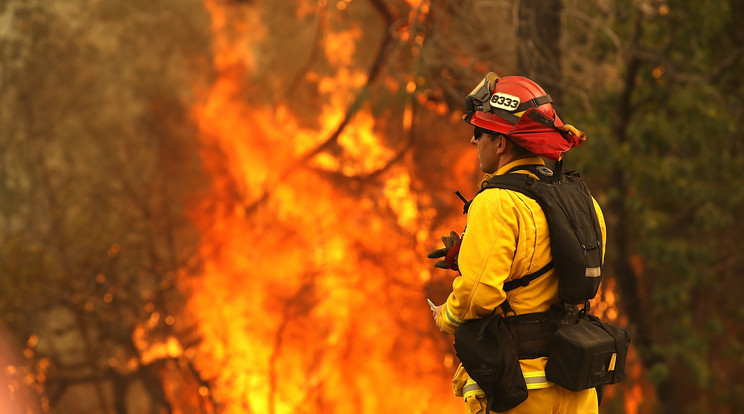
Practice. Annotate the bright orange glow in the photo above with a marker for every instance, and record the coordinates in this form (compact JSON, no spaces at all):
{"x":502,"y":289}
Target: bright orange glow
{"x":636,"y":390}
{"x":18,"y":381}
{"x":339,"y":47}
{"x":310,"y":297}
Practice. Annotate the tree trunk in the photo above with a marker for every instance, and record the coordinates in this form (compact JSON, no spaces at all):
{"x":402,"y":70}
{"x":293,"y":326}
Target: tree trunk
{"x":632,"y":302}
{"x":538,"y":44}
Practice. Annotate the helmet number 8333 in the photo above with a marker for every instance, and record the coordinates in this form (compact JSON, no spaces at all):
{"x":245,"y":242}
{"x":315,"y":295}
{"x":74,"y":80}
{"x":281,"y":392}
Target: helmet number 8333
{"x":504,"y":101}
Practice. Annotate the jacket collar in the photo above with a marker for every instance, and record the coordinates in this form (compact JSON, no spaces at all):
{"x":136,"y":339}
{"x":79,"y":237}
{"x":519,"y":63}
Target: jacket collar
{"x":509,"y":166}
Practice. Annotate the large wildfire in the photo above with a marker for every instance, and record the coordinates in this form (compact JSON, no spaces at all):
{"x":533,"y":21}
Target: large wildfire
{"x":312,"y":291}
{"x":311,"y":297}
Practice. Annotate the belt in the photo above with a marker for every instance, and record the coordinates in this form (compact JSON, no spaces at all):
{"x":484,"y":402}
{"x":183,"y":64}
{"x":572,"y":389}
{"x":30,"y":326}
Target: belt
{"x":532,"y":334}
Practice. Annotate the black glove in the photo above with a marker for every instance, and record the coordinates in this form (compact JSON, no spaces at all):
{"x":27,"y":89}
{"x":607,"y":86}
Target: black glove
{"x":449,"y":252}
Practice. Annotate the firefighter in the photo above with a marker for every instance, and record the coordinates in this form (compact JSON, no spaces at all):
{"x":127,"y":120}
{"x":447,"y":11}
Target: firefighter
{"x":506,"y":234}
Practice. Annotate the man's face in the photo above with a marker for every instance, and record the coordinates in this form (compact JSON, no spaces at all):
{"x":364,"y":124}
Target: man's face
{"x":489,"y":145}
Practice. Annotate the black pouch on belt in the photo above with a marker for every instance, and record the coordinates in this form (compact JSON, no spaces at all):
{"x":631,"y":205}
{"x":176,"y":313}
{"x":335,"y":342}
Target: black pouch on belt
{"x":486,"y":350}
{"x":532,"y":334}
{"x":587,"y":354}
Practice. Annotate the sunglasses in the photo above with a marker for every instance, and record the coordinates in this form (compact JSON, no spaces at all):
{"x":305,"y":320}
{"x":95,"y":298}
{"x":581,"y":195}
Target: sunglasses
{"x":478,"y":132}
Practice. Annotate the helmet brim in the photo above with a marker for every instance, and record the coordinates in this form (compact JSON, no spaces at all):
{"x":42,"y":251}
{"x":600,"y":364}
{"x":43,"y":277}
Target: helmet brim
{"x":488,"y":121}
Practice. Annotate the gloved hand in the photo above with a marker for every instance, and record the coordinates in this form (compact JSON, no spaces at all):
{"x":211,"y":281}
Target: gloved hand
{"x":449,"y":252}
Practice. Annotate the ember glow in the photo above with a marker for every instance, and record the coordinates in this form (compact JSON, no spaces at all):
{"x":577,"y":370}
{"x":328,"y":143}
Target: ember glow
{"x":311,"y":295}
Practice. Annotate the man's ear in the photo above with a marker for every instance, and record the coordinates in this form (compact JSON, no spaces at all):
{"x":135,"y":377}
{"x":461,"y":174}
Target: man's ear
{"x":501,"y":143}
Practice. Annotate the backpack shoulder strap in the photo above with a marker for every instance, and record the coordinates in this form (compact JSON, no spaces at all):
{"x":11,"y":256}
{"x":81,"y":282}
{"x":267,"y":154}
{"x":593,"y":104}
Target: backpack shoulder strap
{"x":526,"y":279}
{"x":524,"y":184}
{"x":521,"y":183}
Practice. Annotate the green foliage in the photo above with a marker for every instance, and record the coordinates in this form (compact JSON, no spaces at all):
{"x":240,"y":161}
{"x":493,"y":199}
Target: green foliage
{"x":679,"y":147}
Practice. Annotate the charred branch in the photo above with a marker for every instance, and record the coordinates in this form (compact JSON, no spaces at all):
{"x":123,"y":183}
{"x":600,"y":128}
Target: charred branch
{"x":213,"y":405}
{"x":315,"y":49}
{"x":300,"y":303}
{"x":372,"y":75}
{"x":368,"y":176}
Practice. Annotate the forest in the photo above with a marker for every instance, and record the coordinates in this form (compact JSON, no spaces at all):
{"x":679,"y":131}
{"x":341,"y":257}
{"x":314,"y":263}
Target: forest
{"x":224,"y":206}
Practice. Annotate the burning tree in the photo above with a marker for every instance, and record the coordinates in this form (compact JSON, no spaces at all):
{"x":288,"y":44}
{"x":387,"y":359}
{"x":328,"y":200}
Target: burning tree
{"x":316,"y":207}
{"x":224,"y":206}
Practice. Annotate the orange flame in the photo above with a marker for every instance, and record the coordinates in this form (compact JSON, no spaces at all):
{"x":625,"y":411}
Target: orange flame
{"x":310,"y":298}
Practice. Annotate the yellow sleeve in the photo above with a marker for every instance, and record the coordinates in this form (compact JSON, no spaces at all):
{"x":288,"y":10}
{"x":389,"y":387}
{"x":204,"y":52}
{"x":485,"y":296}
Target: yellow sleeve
{"x":485,"y":258}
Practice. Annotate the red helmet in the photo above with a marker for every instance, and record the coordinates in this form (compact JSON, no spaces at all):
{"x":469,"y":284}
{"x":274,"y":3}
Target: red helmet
{"x":520,"y":108}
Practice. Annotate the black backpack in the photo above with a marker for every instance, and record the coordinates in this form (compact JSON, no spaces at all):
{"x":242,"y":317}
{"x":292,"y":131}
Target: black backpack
{"x":582,"y":351}
{"x":575,"y":234}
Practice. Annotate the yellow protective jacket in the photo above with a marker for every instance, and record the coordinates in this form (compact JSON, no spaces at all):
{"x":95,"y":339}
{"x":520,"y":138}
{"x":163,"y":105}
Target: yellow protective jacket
{"x":506,"y":237}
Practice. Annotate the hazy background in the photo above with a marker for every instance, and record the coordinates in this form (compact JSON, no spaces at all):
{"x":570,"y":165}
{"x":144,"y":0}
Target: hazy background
{"x":224,"y":206}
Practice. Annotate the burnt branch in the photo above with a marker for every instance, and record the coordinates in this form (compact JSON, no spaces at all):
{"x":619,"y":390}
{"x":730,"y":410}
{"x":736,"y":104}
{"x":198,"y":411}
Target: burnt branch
{"x":293,"y":308}
{"x":320,"y":31}
{"x":371,"y":175}
{"x":372,"y":75}
{"x":203,"y":383}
